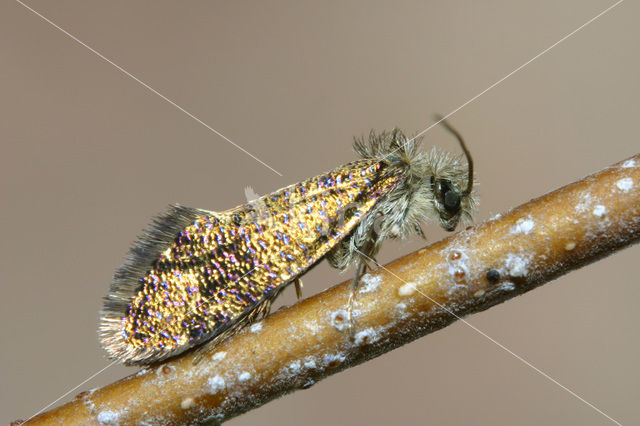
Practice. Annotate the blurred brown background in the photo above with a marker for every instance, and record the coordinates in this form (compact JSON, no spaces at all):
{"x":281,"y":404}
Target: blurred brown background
{"x":89,"y":156}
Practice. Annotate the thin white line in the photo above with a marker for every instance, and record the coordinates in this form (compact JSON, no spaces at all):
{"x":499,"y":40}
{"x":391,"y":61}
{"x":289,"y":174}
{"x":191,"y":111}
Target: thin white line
{"x":150,"y":88}
{"x":500,"y":345}
{"x":69,"y":391}
{"x":510,"y":74}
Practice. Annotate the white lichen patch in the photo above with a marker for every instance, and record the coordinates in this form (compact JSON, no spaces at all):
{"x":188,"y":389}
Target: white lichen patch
{"x":256,"y":328}
{"x":309,"y":363}
{"x":599,"y":210}
{"x":187,"y":403}
{"x":244,"y":376}
{"x":312,"y":326}
{"x":585,"y":203}
{"x":406,"y":290}
{"x":89,"y":403}
{"x":370,"y":283}
{"x":401,"y":311}
{"x":523,"y":226}
{"x":455,"y":288}
{"x":339,"y":319}
{"x":517,"y":266}
{"x":366,"y":337}
{"x":506,"y":286}
{"x":294,"y":367}
{"x":218,"y":356}
{"x":625,"y":184}
{"x":629,"y":163}
{"x":108,"y":417}
{"x":215,"y":384}
{"x":333,"y":360}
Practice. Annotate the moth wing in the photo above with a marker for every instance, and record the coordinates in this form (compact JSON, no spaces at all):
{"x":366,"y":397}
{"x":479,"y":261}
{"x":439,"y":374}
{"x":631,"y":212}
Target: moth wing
{"x":196,"y":275}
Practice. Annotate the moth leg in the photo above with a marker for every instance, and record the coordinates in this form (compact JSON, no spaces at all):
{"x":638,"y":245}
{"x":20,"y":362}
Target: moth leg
{"x":298,"y":283}
{"x":360,"y":269}
{"x":202,"y":351}
{"x":367,"y":264}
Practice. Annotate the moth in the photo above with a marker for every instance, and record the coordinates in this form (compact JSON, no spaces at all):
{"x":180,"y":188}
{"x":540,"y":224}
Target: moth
{"x":197,"y":276}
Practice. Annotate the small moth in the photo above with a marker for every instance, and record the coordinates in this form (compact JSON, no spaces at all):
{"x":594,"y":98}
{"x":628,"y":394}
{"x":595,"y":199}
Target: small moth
{"x":198,"y":276}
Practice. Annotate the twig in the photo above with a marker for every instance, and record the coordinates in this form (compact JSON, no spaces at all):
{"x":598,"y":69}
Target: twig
{"x":408,"y":298}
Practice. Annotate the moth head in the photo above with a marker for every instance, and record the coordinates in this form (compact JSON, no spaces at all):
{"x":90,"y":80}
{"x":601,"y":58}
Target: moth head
{"x":452,"y":192}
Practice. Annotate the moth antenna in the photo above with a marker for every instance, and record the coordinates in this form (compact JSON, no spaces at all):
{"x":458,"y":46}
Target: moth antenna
{"x":454,"y":132}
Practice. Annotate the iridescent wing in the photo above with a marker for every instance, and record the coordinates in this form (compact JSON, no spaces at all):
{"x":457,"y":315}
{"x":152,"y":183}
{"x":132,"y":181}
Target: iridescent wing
{"x":198,"y":274}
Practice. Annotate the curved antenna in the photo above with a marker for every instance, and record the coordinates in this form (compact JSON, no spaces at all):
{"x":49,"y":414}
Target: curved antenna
{"x":454,"y":132}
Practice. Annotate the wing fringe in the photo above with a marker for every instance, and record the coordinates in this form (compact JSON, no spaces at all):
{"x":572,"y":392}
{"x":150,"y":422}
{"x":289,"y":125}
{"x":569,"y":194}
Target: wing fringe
{"x":126,"y":281}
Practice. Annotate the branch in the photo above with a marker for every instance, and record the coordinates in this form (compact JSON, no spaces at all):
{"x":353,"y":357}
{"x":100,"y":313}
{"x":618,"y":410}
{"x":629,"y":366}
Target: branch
{"x":408,"y":298}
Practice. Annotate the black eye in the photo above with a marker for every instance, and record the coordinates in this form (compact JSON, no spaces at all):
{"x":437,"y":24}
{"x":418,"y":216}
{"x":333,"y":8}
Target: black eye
{"x":446,"y":195}
{"x":451,"y":202}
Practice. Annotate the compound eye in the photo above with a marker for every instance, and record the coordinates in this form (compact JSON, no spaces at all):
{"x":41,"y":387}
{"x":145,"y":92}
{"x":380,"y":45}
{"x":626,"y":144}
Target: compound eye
{"x":451,"y":202}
